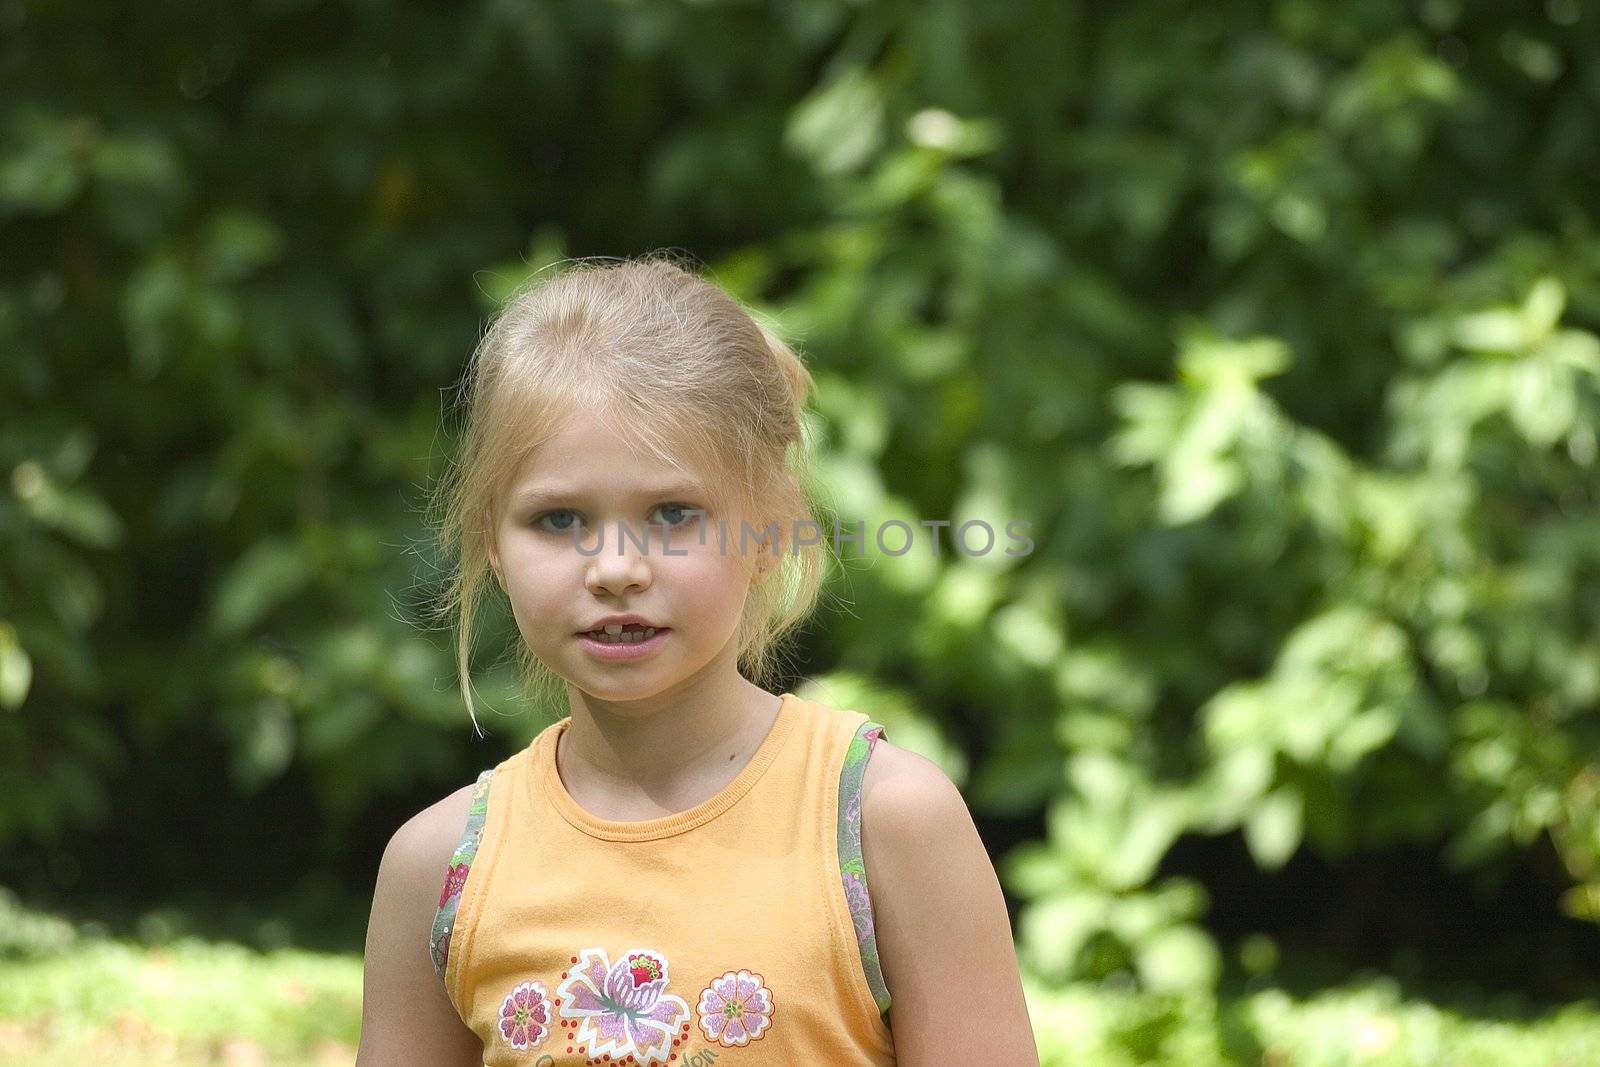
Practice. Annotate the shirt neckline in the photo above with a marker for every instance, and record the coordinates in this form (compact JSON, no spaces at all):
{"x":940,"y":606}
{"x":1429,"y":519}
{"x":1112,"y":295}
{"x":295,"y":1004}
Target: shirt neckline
{"x":544,"y":756}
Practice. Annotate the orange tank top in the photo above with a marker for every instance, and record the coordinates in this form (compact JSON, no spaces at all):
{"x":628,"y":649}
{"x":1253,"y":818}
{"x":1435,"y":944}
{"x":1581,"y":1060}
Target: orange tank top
{"x":738,"y":932}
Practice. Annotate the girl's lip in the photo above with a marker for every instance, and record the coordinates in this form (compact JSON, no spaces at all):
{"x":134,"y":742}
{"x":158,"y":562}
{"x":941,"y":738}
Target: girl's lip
{"x":620,"y":651}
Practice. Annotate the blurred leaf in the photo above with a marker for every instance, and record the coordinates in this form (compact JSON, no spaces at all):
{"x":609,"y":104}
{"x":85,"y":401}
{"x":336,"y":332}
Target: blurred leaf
{"x":1273,"y":830}
{"x":265,"y":576}
{"x":16,"y":669}
{"x":1178,"y":959}
{"x":237,"y":243}
{"x":839,"y":125}
{"x":1053,"y":931}
{"x":265,"y":746}
{"x":39,"y":160}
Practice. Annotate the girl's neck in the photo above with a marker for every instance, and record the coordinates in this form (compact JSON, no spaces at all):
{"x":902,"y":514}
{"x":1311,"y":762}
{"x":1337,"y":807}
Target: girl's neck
{"x":666,"y":754}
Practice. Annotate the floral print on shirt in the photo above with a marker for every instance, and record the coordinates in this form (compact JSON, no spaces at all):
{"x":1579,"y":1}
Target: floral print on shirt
{"x":525,"y":1016}
{"x":623,"y":1008}
{"x":735,"y":1009}
{"x":852,"y":870}
{"x":444,"y":920}
{"x":728,"y":1009}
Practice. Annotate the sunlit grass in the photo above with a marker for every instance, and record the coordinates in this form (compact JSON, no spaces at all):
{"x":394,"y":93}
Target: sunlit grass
{"x":186,"y":1004}
{"x":74,"y":997}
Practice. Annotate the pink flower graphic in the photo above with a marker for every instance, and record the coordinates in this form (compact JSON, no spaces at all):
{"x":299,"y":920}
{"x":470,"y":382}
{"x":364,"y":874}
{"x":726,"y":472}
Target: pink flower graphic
{"x":624,"y":1006}
{"x":735,"y":1009}
{"x":855,"y":895}
{"x":453,"y":882}
{"x":525,"y":1016}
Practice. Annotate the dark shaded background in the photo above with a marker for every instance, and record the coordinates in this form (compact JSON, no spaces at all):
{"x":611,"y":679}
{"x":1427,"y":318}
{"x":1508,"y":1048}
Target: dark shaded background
{"x":1276,"y":321}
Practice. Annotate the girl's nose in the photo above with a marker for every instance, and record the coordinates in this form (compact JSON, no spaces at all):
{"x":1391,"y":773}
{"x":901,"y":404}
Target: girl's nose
{"x":622,"y":561}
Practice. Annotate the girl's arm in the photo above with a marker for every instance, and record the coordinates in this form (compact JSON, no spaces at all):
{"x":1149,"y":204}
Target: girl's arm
{"x":944,"y":938}
{"x":406,"y":1016}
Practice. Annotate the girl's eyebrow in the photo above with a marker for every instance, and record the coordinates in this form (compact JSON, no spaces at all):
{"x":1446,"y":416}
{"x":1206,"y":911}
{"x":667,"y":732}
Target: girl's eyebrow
{"x":561,"y":494}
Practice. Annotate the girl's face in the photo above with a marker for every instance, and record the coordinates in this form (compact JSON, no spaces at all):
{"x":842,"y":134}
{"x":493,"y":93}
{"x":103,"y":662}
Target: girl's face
{"x":659,"y":557}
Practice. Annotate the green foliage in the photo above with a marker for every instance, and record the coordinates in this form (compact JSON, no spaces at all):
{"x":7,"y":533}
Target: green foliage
{"x":1366,"y":1022}
{"x":192,"y":1002}
{"x":1276,"y":323}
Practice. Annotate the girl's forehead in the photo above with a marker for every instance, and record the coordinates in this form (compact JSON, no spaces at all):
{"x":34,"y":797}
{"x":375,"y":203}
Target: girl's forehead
{"x":633,"y":487}
{"x":592,"y":454}
{"x":587,"y":429}
{"x":607,"y":473}
{"x":661,"y":440}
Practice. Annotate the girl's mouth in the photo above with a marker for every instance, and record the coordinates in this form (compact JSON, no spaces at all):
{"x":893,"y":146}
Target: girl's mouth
{"x":631,"y":643}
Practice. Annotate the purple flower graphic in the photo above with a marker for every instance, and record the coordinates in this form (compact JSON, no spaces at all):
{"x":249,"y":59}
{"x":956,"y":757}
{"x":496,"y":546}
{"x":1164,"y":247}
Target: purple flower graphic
{"x":525,"y":1016}
{"x":855,"y":894}
{"x":735,"y":1009}
{"x":623,"y":1006}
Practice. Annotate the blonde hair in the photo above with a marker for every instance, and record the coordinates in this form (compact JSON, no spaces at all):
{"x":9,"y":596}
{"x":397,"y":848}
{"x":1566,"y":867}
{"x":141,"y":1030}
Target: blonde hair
{"x":697,"y":382}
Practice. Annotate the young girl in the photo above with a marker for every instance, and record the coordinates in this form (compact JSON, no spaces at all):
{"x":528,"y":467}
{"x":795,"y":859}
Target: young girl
{"x":678,"y":871}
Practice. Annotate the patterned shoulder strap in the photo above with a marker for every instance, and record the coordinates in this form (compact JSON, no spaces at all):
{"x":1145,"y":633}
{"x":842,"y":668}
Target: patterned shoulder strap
{"x":851,"y":868}
{"x":455,"y":877}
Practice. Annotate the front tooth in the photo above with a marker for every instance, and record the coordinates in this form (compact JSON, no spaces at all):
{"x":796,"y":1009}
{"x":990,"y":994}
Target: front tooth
{"x":617,"y":637}
{"x":614,"y":628}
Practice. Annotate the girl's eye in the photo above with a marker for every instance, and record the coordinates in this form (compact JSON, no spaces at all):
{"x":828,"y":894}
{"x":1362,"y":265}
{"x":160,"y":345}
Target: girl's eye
{"x":688,"y":513}
{"x":677,"y":515}
{"x":540,"y":521}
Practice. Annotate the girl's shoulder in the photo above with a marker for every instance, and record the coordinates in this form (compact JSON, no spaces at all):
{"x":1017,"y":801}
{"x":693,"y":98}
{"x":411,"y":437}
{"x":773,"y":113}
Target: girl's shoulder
{"x":897,"y":777}
{"x":908,"y":804}
{"x":431,"y":834}
{"x":451,"y":811}
{"x":429,"y":840}
{"x":437,"y":828}
{"x":456,"y":829}
{"x":939,"y":910}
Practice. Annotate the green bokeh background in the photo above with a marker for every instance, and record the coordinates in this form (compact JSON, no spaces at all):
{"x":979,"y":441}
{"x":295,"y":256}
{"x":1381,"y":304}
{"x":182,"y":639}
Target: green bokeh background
{"x":1276,"y":320}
